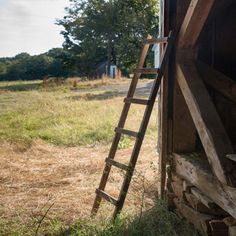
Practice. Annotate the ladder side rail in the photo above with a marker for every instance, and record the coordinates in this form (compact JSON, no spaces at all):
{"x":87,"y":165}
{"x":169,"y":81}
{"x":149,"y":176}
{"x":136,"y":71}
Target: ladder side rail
{"x":121,"y":124}
{"x":164,"y":61}
{"x":143,"y":127}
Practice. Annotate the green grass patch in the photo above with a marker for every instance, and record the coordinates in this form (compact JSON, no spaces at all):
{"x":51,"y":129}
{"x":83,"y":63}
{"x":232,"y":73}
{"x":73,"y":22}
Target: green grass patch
{"x":61,"y":116}
{"x":158,"y":221}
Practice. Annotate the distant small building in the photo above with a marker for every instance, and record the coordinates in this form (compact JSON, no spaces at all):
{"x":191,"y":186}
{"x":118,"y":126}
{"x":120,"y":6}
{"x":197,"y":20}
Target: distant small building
{"x":115,"y":72}
{"x":101,"y":69}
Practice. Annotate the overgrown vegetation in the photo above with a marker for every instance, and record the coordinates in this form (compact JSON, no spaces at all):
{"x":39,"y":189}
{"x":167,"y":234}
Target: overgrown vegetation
{"x":157,"y":221}
{"x":26,"y":67}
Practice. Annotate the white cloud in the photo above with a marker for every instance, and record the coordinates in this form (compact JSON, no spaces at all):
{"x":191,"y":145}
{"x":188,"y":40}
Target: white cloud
{"x":29,"y":25}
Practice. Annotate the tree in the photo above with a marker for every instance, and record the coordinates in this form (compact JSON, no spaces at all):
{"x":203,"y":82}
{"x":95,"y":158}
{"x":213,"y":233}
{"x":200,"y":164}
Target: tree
{"x":96,"y":30}
{"x":26,"y":67}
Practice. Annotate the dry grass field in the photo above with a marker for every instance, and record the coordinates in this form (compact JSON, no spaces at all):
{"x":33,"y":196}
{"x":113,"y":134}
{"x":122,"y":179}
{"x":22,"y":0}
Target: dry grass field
{"x":54,"y":140}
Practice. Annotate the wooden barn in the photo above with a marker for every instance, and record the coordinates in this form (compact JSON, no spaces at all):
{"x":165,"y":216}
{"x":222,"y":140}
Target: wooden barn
{"x":197,"y":111}
{"x":197,"y":139}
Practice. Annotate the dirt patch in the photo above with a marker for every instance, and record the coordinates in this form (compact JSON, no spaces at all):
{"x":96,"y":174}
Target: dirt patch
{"x":34,"y":178}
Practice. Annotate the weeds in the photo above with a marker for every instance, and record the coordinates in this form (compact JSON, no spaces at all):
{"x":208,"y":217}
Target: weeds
{"x":157,"y":221}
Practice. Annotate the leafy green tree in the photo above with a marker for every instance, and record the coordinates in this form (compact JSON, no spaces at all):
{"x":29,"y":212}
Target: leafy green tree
{"x":61,"y":62}
{"x":3,"y":68}
{"x":26,"y":67}
{"x":96,"y":30}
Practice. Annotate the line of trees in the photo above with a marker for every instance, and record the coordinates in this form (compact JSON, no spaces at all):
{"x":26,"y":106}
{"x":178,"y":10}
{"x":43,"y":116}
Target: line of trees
{"x":95,"y":31}
{"x":26,"y":67}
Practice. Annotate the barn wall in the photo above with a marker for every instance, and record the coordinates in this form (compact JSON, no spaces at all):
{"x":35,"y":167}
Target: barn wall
{"x":183,"y":138}
{"x":217,"y":43}
{"x":191,"y":187}
{"x":217,"y":48}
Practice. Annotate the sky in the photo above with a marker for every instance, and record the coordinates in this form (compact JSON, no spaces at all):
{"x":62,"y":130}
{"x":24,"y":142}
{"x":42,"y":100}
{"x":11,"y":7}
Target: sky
{"x":29,"y":26}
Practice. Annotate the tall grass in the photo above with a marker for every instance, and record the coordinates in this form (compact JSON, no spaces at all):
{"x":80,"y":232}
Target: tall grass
{"x":158,"y":221}
{"x":61,"y":116}
{"x":68,"y":115}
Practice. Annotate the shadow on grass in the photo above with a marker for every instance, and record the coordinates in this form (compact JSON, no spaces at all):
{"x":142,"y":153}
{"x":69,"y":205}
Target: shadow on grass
{"x":20,"y":87}
{"x":156,"y":221}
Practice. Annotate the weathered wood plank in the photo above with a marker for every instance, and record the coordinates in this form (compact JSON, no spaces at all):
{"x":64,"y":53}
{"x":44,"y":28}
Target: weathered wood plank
{"x":184,"y":131}
{"x":137,"y":101}
{"x":191,"y":170}
{"x":177,"y":189}
{"x":196,"y":204}
{"x":121,"y":166}
{"x":204,"y":199}
{"x":230,"y":221}
{"x":232,"y":231}
{"x":126,"y":132}
{"x":156,"y":40}
{"x":217,"y":80}
{"x":163,"y":108}
{"x":194,"y":21}
{"x":207,"y":121}
{"x":107,"y":197}
{"x":187,"y":186}
{"x":200,"y":221}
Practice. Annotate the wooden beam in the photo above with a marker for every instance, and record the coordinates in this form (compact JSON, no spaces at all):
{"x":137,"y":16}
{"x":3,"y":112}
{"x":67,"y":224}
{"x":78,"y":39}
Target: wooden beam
{"x":205,"y":200}
{"x":207,"y":122}
{"x":217,"y":81}
{"x":199,"y":220}
{"x":163,"y":136}
{"x":200,"y":205}
{"x":196,"y":204}
{"x":184,"y":134}
{"x":193,"y":23}
{"x":163,"y":103}
{"x":178,"y":189}
{"x":199,"y":175}
{"x":184,"y":131}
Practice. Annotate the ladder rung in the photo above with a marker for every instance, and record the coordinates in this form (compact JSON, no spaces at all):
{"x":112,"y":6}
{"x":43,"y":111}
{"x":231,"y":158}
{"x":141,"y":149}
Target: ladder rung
{"x":156,"y":40}
{"x":151,"y":71}
{"x":106,"y":197}
{"x":127,"y":132}
{"x":137,"y":101}
{"x":117,"y":164}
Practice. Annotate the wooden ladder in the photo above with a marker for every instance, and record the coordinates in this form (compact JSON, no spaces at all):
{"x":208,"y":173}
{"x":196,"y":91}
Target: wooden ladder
{"x":138,"y":135}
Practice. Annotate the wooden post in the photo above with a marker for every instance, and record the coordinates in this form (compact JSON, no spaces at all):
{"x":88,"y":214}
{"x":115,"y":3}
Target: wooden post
{"x":208,"y":124}
{"x":193,"y":23}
